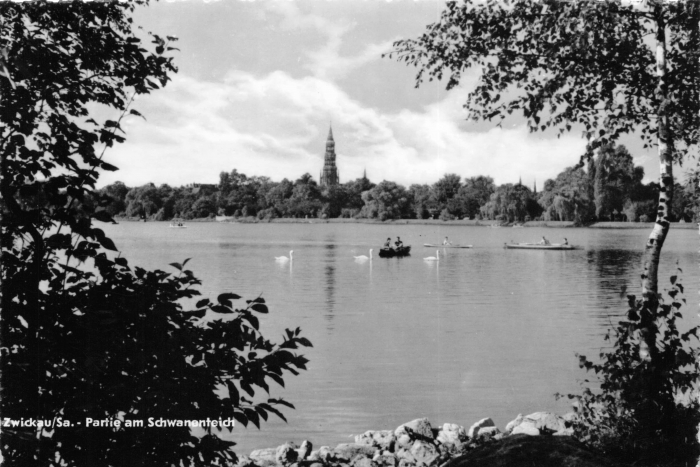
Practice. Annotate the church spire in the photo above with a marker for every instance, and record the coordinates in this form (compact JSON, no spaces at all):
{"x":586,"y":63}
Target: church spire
{"x":329,"y":174}
{"x":534,"y":187}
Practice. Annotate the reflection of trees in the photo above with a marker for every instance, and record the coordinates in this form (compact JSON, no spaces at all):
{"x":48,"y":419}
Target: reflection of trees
{"x":330,"y":281}
{"x":615,"y":273}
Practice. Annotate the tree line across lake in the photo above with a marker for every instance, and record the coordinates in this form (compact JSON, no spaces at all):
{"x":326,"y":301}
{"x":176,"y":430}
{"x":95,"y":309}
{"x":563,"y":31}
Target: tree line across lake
{"x":610,"y":188}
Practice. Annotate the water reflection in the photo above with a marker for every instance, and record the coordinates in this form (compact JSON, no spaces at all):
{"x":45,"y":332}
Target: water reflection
{"x":330,"y":281}
{"x":612,"y":271}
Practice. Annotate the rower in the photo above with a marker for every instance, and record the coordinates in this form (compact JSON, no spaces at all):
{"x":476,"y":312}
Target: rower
{"x":566,"y":242}
{"x":544,"y":241}
{"x":398,"y":243}
{"x":387,"y":245}
{"x":446,"y":242}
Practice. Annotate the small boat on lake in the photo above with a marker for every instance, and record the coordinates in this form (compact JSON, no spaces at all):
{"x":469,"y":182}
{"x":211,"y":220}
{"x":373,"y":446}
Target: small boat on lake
{"x":539,"y":246}
{"x":431,"y":245}
{"x":392,"y":253}
{"x":177,"y":225}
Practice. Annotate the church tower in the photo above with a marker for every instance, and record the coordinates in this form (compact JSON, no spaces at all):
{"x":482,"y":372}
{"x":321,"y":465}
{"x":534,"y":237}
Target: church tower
{"x":329,"y":174}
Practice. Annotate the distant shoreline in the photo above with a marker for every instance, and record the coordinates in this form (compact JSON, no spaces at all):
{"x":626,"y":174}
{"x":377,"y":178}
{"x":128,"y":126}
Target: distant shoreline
{"x":470,"y":222}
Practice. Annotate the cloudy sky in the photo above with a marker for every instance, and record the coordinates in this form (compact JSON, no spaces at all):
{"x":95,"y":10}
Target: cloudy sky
{"x":260,"y":82}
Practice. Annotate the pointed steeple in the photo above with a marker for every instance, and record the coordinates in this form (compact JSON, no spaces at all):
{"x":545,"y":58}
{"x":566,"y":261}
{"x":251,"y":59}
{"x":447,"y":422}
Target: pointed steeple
{"x":534,"y":187}
{"x":520,"y":180}
{"x":364,"y":174}
{"x":329,"y":174}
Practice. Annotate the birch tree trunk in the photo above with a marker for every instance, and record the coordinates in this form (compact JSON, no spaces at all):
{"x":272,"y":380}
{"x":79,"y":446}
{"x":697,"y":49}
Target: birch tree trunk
{"x":652,"y":253}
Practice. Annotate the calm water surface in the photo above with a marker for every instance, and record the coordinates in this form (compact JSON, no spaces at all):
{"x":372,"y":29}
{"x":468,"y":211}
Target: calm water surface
{"x":483,"y":332}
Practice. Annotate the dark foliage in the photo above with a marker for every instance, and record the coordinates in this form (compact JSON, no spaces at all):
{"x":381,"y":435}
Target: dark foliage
{"x":83,"y":334}
{"x":570,"y":197}
{"x":645,"y":410}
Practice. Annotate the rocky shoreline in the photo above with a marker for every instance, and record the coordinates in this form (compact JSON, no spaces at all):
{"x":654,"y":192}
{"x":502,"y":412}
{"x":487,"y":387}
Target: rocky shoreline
{"x":413,"y":444}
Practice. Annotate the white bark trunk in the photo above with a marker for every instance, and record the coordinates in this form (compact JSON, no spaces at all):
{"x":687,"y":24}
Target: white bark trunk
{"x":652,"y":254}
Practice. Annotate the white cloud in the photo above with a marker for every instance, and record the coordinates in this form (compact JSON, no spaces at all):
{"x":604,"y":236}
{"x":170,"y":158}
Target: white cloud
{"x":276,"y":126}
{"x":326,"y":62}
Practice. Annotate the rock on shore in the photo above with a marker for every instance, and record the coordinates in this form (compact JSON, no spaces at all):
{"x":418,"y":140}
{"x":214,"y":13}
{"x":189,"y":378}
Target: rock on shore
{"x":541,"y":437}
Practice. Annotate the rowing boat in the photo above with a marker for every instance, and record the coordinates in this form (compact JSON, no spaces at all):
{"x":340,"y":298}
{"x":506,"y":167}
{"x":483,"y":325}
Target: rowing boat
{"x":391,"y":253}
{"x":447,"y":246}
{"x":539,"y":246}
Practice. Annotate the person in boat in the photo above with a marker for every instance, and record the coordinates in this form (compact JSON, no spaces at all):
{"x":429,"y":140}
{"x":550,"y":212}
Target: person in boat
{"x":387,"y":244}
{"x":398,"y":244}
{"x":544,"y":241}
{"x":566,"y":242}
{"x":446,"y":242}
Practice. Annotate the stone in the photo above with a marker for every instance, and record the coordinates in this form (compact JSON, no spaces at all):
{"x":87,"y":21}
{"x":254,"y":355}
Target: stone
{"x":264,"y":455}
{"x":286,"y":454}
{"x":362,"y":461}
{"x":420,"y":428}
{"x":483,"y":423}
{"x":407,"y":433}
{"x":244,"y":461}
{"x":304,"y":450}
{"x":424,"y":452}
{"x":526,"y":428}
{"x":404,"y":442}
{"x":386,"y":460}
{"x":488,"y":432}
{"x":383,"y":439}
{"x":513,"y":423}
{"x":451,"y":433}
{"x":547,"y":421}
{"x":453,"y":449}
{"x":540,"y":423}
{"x":528,"y":451}
{"x":405,"y":454}
{"x":349,"y":451}
{"x":325,"y":453}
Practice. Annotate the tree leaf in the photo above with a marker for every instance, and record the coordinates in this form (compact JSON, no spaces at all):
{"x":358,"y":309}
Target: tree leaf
{"x":227,"y":297}
{"x":103,"y":216}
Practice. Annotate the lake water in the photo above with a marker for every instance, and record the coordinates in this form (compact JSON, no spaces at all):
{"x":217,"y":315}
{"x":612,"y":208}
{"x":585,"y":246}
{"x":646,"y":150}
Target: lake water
{"x":485,"y":332}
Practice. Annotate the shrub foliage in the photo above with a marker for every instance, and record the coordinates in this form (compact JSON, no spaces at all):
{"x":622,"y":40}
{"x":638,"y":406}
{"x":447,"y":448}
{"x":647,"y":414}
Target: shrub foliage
{"x":646,"y":409}
{"x":84,"y":334}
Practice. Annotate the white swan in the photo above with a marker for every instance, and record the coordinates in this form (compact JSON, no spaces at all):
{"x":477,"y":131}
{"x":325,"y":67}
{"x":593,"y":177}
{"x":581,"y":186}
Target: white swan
{"x":363,"y":257}
{"x":284,"y":259}
{"x":433,"y":258}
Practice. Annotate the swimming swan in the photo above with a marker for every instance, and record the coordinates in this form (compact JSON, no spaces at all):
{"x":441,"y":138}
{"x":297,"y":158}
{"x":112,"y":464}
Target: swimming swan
{"x":363,"y":257}
{"x":284,"y":259}
{"x":433,"y":258}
